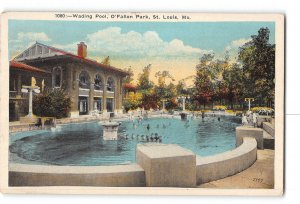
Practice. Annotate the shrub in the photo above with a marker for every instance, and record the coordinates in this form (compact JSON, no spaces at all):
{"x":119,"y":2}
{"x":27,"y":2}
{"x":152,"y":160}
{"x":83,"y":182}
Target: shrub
{"x":263,"y":110}
{"x":52,"y":103}
{"x":221,"y":108}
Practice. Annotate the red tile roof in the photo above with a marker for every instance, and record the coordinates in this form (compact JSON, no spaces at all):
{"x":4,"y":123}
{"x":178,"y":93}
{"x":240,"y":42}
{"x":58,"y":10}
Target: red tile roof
{"x":129,"y":86}
{"x":26,"y":67}
{"x":90,"y":61}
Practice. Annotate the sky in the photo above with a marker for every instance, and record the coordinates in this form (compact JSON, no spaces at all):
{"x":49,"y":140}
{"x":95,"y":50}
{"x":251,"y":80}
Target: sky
{"x":172,"y":46}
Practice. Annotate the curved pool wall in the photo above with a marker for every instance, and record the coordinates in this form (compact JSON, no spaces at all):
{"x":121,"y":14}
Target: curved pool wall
{"x":207,"y":169}
{"x":82,"y":144}
{"x":220,"y":166}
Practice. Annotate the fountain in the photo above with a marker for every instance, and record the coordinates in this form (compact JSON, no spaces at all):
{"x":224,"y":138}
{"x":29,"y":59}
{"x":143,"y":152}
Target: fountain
{"x":110,"y":130}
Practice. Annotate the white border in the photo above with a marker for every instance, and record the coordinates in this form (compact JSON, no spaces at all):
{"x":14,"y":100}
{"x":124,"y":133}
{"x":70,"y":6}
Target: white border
{"x":279,"y":106}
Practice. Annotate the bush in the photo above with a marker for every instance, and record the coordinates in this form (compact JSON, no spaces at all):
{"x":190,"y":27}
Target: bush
{"x":52,"y":103}
{"x":263,"y":110}
{"x":132,"y":101}
{"x":220,"y":108}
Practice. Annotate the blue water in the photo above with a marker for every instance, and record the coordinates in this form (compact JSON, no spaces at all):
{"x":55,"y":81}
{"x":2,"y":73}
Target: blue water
{"x":82,"y":144}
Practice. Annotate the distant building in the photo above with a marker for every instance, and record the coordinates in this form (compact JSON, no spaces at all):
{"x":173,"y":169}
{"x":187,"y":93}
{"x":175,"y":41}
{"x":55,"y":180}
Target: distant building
{"x":91,"y":85}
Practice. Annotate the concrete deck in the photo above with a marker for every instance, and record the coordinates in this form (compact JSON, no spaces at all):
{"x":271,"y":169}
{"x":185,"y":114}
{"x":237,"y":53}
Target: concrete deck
{"x":259,"y":175}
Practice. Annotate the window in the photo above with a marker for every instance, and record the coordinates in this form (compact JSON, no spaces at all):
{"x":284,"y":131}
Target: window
{"x":98,"y":83}
{"x":110,"y":104}
{"x":110,"y":84}
{"x":84,"y":80}
{"x":83,"y":105}
{"x":98,"y":104}
{"x":56,"y":77}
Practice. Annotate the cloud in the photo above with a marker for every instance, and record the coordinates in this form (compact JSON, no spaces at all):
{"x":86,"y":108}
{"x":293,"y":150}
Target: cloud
{"x":33,"y":36}
{"x":113,"y":42}
{"x":233,"y":47}
{"x":24,"y":40}
{"x":237,"y":43}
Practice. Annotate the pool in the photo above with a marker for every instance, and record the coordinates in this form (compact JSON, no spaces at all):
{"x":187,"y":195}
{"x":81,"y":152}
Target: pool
{"x":82,"y":143}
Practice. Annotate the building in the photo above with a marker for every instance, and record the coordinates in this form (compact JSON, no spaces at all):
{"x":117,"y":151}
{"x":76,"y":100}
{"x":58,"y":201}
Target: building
{"x":91,"y":85}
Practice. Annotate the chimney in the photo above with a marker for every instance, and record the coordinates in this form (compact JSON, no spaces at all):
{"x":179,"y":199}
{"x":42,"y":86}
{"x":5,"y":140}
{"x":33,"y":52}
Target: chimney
{"x":82,"y":50}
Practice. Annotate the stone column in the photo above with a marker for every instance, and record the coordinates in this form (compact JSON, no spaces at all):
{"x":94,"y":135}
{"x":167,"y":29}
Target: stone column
{"x":68,"y":78}
{"x":121,"y":95}
{"x":19,"y":84}
{"x":30,"y":114}
{"x":183,"y":104}
{"x":91,"y":98}
{"x":74,"y":94}
{"x":104,"y":94}
{"x":116,"y":96}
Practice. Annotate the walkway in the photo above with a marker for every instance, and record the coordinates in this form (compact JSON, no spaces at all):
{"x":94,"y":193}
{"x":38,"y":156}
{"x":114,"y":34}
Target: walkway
{"x":259,"y":175}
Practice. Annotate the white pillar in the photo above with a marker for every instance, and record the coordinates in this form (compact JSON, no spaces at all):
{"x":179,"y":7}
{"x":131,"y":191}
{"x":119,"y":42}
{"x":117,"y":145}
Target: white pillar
{"x":249,"y":105}
{"x":30,"y":103}
{"x":183,"y":104}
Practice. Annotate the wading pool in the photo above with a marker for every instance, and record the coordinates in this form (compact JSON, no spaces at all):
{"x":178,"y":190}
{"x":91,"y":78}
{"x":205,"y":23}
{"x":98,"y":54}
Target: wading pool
{"x":82,"y":143}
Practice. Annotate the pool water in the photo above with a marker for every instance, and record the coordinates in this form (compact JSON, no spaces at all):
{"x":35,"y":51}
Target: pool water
{"x":82,"y":144}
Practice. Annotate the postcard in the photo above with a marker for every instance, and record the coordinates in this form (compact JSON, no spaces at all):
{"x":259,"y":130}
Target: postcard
{"x":142,"y":103}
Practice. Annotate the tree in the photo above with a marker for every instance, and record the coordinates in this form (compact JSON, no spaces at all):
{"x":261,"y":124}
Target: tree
{"x":204,"y":80}
{"x":150,"y":100}
{"x":233,"y":84}
{"x":258,"y":59}
{"x":144,"y":83}
{"x":106,"y":61}
{"x":132,"y":101}
{"x":52,"y":103}
{"x":162,"y":76}
{"x":129,"y":78}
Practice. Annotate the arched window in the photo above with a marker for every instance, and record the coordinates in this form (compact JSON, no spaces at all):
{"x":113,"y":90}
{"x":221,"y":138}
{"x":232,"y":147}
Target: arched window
{"x":98,"y":82}
{"x":56,"y":77}
{"x":84,"y":80}
{"x":110,"y":84}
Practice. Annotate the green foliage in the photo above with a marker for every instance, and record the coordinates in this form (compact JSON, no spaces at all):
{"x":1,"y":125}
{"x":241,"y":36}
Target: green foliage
{"x":204,"y":88}
{"x":129,"y":78}
{"x":106,"y":61}
{"x":258,"y":59}
{"x":144,"y":83}
{"x":167,"y":93}
{"x":150,"y":100}
{"x":224,"y":82}
{"x":132,"y":101}
{"x":218,"y":81}
{"x":52,"y":103}
{"x":233,"y":84}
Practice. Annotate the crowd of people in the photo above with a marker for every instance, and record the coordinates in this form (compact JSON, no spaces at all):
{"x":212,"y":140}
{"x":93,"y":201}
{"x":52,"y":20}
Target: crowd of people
{"x":250,"y":119}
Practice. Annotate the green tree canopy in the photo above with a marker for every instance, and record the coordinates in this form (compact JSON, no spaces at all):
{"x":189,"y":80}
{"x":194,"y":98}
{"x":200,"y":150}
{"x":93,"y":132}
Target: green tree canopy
{"x":144,"y":83}
{"x":258,"y":59}
{"x":129,"y":78}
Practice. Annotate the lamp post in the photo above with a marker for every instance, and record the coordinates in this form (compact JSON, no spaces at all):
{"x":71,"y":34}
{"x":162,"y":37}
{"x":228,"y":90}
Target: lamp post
{"x":183,"y":98}
{"x":30,"y":90}
{"x":249,"y":102}
{"x":164,"y":104}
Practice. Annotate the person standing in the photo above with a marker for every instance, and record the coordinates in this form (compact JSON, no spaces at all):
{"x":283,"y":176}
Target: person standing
{"x":244,"y":120}
{"x":254,"y":119}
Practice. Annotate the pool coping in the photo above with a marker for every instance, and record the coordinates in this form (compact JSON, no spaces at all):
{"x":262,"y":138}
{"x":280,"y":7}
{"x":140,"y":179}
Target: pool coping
{"x":207,"y":169}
